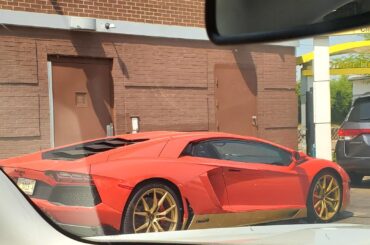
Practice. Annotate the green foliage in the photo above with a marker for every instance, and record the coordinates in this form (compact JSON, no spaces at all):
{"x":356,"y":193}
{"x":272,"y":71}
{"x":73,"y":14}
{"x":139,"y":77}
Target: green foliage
{"x":351,"y":61}
{"x":341,"y":98}
{"x":298,"y":89}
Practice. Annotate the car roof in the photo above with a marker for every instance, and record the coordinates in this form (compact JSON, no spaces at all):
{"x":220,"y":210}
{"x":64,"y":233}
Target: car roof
{"x":150,"y":135}
{"x":174,"y":134}
{"x":363,"y":96}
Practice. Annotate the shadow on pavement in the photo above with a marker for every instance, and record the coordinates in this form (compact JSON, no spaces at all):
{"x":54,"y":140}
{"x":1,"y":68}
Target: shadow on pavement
{"x":343,"y":215}
{"x":365,"y":184}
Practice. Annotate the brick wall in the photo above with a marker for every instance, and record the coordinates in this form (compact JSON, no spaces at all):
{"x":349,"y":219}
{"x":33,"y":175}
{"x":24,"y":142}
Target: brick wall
{"x":169,"y":12}
{"x":168,"y":83}
{"x":277,"y":99}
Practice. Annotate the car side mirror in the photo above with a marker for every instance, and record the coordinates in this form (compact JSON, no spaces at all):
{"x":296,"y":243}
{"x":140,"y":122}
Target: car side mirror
{"x":299,"y":156}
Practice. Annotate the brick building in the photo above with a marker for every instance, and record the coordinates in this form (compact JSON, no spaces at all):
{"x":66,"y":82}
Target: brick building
{"x":70,"y":68}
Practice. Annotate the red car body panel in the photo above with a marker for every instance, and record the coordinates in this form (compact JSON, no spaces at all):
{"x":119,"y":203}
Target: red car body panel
{"x":207,"y":186}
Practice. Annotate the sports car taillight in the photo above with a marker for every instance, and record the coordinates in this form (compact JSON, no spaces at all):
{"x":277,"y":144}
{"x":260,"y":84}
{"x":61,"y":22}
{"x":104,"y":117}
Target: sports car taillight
{"x":348,"y":134}
{"x":73,"y":189}
{"x":70,"y":178}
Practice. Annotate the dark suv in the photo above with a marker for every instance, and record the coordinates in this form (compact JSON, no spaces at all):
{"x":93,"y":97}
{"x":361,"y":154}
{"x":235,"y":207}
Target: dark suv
{"x":353,"y":147}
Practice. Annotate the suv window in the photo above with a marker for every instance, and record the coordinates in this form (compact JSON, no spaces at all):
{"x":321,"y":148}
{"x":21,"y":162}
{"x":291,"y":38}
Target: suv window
{"x":360,"y":111}
{"x":241,"y":151}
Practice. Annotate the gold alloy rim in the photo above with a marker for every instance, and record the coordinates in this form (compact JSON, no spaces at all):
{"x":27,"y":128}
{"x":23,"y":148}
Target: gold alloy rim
{"x":155,"y":211}
{"x":326,"y":197}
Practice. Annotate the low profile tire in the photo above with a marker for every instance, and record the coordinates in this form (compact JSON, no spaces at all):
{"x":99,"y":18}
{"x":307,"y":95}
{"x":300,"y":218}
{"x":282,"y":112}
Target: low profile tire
{"x":154,"y":207}
{"x":356,"y":179}
{"x":325,"y":198}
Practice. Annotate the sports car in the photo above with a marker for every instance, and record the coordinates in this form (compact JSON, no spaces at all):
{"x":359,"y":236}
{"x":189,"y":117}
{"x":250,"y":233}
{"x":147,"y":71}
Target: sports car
{"x":165,"y":181}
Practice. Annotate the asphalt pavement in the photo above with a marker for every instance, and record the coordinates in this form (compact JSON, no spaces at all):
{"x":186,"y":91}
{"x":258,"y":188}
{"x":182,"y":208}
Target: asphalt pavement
{"x":358,"y":212}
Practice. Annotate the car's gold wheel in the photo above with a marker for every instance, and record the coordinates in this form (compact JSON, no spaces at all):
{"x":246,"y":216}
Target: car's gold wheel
{"x":153,"y":208}
{"x":155,"y":211}
{"x":326,"y":196}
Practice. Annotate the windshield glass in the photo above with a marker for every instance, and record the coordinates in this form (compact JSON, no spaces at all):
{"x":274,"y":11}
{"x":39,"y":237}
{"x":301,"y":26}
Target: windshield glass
{"x":122,"y":117}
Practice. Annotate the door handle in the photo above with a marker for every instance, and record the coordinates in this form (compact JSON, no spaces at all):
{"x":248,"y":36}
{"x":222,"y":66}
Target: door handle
{"x":234,"y":170}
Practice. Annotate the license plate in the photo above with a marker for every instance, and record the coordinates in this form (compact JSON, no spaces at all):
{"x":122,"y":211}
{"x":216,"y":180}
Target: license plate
{"x":26,"y":185}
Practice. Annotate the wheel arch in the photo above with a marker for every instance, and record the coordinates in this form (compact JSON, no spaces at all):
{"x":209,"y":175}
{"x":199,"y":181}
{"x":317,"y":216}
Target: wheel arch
{"x":328,"y":169}
{"x":157,"y":180}
{"x":333,"y":171}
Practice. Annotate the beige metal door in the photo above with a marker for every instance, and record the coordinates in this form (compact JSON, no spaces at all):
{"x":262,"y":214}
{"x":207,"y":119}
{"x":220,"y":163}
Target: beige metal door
{"x":236,"y":100}
{"x":82,"y":98}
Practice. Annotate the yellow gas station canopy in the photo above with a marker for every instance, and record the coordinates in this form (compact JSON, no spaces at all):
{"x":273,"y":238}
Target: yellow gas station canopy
{"x":360,"y":47}
{"x":363,"y":30}
{"x":343,"y":48}
{"x":345,"y":71}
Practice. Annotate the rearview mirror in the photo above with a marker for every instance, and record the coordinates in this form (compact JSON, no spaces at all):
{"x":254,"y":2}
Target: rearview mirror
{"x":246,"y":21}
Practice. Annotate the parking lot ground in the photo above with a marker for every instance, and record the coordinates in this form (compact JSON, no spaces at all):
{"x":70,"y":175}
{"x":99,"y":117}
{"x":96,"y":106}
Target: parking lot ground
{"x":358,"y":212}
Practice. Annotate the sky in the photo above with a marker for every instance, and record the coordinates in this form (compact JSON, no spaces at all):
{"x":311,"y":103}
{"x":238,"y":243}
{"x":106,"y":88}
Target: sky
{"x":306,"y":45}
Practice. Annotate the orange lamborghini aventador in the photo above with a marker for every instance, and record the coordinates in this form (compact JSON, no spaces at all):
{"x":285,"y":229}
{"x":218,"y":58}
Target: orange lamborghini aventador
{"x":165,"y":181}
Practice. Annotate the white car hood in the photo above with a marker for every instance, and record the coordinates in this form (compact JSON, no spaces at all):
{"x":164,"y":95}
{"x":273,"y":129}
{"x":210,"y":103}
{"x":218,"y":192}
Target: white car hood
{"x":21,"y":224}
{"x":272,"y":234}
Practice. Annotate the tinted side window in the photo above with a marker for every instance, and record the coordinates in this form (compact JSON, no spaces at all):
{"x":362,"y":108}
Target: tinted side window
{"x":360,"y":111}
{"x":251,"y":151}
{"x":204,"y":149}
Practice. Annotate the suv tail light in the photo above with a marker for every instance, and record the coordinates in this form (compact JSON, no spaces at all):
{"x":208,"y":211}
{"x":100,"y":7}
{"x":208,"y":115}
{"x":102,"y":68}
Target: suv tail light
{"x":348,"y":134}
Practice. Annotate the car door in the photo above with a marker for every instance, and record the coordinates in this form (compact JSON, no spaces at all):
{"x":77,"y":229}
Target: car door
{"x":259,"y":175}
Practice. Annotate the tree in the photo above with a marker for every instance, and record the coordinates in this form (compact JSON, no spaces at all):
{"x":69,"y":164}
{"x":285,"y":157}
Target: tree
{"x":361,"y":60}
{"x":341,"y":98}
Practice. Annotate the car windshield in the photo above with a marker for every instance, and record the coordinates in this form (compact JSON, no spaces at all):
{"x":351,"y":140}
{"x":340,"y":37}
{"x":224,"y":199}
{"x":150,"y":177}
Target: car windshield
{"x":121,"y":117}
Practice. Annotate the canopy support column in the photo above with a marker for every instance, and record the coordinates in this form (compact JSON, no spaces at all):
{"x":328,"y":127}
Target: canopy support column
{"x":321,"y":99}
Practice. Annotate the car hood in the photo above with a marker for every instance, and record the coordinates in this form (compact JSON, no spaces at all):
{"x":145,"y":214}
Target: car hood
{"x":271,"y":234}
